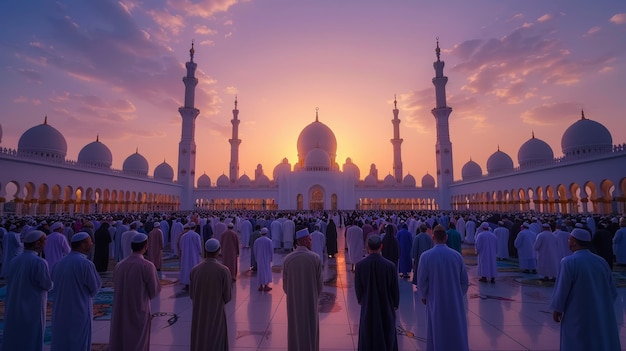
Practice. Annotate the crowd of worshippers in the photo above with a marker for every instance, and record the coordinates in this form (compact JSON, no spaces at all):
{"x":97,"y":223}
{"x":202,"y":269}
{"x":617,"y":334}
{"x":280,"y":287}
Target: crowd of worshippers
{"x":50,"y":247}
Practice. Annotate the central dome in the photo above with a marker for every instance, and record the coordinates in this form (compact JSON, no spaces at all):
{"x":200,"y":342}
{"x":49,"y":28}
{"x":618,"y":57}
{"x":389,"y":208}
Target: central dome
{"x":586,"y":137}
{"x":44,"y":141}
{"x":317,"y":160}
{"x":317,"y":135}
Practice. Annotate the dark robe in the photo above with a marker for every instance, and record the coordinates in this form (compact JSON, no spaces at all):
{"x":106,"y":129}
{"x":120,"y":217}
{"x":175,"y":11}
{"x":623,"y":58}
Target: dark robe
{"x":602,"y":245}
{"x":331,"y":238}
{"x":101,"y":253}
{"x":391,"y":248}
{"x":377,"y":291}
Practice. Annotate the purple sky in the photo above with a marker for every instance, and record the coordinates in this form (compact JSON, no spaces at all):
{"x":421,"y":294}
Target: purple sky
{"x":114,"y":69}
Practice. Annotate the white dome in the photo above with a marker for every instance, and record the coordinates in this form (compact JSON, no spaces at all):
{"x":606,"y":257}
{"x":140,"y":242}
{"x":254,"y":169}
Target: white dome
{"x":428,"y":181}
{"x":409,"y":181}
{"x":370,"y":181}
{"x":95,"y":154}
{"x":317,"y":135}
{"x":223,"y":181}
{"x":352,"y":168}
{"x":135,"y":164}
{"x":534,"y":152}
{"x":281,"y":168}
{"x":586,"y":137}
{"x":471,"y":170}
{"x":499,"y":162}
{"x":164,"y":171}
{"x":44,"y":141}
{"x":262,"y":181}
{"x":244,"y":181}
{"x":204,"y":181}
{"x":389,"y":181}
{"x":317,"y":160}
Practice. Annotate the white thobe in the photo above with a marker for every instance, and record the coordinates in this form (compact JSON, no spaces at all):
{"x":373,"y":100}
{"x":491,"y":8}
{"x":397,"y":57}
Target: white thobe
{"x":548,"y":257}
{"x":502,"y":234}
{"x":486,"y":247}
{"x":190,"y":254}
{"x":354,"y":237}
{"x":264,"y":254}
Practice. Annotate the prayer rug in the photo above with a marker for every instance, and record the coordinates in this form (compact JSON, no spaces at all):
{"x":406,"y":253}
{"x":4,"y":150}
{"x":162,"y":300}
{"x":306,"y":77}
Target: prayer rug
{"x":171,"y":265}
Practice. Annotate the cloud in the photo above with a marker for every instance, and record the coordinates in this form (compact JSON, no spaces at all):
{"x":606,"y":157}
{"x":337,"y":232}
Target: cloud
{"x":204,"y":30}
{"x":31,"y":75}
{"x":167,"y":21}
{"x":202,"y":8}
{"x":26,"y":100}
{"x":619,"y":18}
{"x":545,"y":18}
{"x":551,"y":113}
{"x":592,"y":31}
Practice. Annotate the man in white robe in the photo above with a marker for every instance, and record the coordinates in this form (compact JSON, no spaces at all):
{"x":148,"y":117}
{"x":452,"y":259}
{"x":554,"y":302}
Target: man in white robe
{"x":165,"y":228}
{"x":264,"y":254}
{"x":470,"y":232}
{"x":190,"y":254}
{"x":127,"y":237}
{"x":120,"y":229}
{"x":12,"y":247}
{"x":502,"y":234}
{"x":583,"y":298}
{"x":289,"y":232}
{"x":619,"y":243}
{"x":276,"y":230}
{"x":57,"y":246}
{"x":175,"y":233}
{"x":354,"y":238}
{"x":486,"y":247}
{"x":220,"y":228}
{"x":460,"y":226}
{"x":548,"y":258}
{"x":318,"y":243}
{"x":562,"y":239}
{"x":442,"y":284}
{"x":245,"y":230}
{"x":525,"y":244}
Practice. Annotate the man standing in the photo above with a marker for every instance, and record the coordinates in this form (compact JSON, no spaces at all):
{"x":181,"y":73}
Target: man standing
{"x":56,"y":245}
{"x":443,"y":283}
{"x":377,"y":291}
{"x":454,"y":238}
{"x":502,"y":234}
{"x":405,"y":243}
{"x":525,"y":244}
{"x":28,"y":283}
{"x":583,"y":297}
{"x":421,"y":243}
{"x":619,"y":243}
{"x":127,"y":237}
{"x":12,"y":247}
{"x":264,"y":252}
{"x":318,"y":243}
{"x":210,"y":291}
{"x":547,"y":249}
{"x":76,"y":282}
{"x":302,"y":283}
{"x":135,"y":282}
{"x":288,"y":230}
{"x":229,"y":243}
{"x":155,"y":246}
{"x":245,"y":229}
{"x":486,"y":247}
{"x":190,"y":250}
{"x":354,"y":237}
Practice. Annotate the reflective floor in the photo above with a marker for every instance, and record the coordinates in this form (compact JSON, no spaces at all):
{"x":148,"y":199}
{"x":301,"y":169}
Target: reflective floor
{"x":507,"y":315}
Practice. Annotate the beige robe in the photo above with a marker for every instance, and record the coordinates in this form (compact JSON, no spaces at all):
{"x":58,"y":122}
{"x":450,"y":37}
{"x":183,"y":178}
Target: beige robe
{"x":210,"y":291}
{"x":155,"y":246}
{"x":302,"y":282}
{"x":229,"y":243}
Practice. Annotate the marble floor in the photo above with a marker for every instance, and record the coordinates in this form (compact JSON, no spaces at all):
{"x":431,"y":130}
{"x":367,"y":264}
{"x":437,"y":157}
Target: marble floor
{"x":507,"y":315}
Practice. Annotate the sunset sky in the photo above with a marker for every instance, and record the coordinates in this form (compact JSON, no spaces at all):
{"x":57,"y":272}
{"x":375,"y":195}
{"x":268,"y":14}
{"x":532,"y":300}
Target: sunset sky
{"x":115,"y":68}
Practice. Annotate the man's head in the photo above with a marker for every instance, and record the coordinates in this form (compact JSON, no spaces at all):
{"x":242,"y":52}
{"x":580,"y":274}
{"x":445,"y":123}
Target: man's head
{"x":374,"y":244}
{"x":35,"y":241}
{"x":303,"y":238}
{"x":439,"y":234}
{"x":212,"y":247}
{"x":264,"y":231}
{"x":56,"y":227}
{"x":579,"y":239}
{"x":81,"y":242}
{"x":139,"y":243}
{"x":423,"y":228}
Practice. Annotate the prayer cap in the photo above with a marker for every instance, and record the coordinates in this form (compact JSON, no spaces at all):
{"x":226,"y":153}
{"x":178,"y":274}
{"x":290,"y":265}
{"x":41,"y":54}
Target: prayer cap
{"x":33,"y":236}
{"x":80,"y":236}
{"x":545,"y":225}
{"x":500,"y":222}
{"x":231,"y":225}
{"x":212,"y":245}
{"x":264,"y":231}
{"x":302,"y":233}
{"x":578,"y":225}
{"x":484,"y":225}
{"x":157,"y":224}
{"x":43,"y":223}
{"x":581,"y":234}
{"x":374,"y":240}
{"x":192,"y":225}
{"x":56,"y":225}
{"x":186,"y":226}
{"x":526,"y":225}
{"x":139,"y":238}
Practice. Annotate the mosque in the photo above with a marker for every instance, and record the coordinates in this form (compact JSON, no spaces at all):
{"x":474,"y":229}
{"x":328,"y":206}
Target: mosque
{"x":590,"y":176}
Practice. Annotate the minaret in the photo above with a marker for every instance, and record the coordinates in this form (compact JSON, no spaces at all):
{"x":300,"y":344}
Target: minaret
{"x":443,"y":148}
{"x":187,"y":145}
{"x":397,"y":143}
{"x":234,"y":146}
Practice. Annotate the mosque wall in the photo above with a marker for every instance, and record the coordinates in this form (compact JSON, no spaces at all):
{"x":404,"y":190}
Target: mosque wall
{"x":313,"y":190}
{"x":221,"y":199}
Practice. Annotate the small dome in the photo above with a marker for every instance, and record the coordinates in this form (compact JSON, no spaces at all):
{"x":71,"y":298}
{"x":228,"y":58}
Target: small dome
{"x":262,"y":181}
{"x":389,"y":181}
{"x":164,"y":171}
{"x":499,"y":162}
{"x":244,"y":181}
{"x":317,"y":135}
{"x":351,"y":168}
{"x":282,"y":168}
{"x":471,"y":170}
{"x":428,"y":181}
{"x":135,"y":164}
{"x":370,"y":181}
{"x":409,"y":181}
{"x":204,"y":181}
{"x":534,"y":152}
{"x":223,"y":181}
{"x":43,"y":141}
{"x":317,"y":160}
{"x":586,"y":137}
{"x":95,"y":154}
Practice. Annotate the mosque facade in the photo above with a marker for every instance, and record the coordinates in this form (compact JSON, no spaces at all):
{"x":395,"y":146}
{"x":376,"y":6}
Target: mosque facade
{"x":590,"y":176}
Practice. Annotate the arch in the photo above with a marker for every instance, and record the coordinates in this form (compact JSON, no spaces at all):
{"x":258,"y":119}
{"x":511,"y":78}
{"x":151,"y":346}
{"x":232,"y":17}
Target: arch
{"x":300,"y":202}
{"x":316,"y":198}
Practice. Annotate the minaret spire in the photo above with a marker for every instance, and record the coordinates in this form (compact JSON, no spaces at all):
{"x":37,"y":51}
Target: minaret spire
{"x":187,"y":145}
{"x":443,"y":147}
{"x":396,"y":142}
{"x":234,"y":146}
{"x":317,"y":110}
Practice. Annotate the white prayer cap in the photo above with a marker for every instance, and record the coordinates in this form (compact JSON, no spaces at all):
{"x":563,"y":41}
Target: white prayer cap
{"x":302,"y":233}
{"x":231,"y":225}
{"x":80,"y":236}
{"x":526,"y":225}
{"x":33,"y":236}
{"x":500,"y":222}
{"x":139,"y":238}
{"x":484,"y":225}
{"x":264,"y":231}
{"x":43,"y":223}
{"x":192,"y":225}
{"x":581,"y":234}
{"x":545,"y":225}
{"x":578,"y":225}
{"x":56,"y":225}
{"x":186,"y":226}
{"x":157,"y":224}
{"x":212,"y":245}
{"x":136,"y":224}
